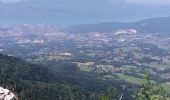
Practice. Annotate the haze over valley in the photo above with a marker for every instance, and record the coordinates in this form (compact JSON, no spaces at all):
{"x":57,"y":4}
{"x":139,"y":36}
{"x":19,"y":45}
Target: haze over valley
{"x":84,"y":50}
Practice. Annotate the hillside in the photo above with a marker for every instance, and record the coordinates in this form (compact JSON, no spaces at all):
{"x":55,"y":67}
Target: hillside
{"x":151,"y":25}
{"x":34,"y":82}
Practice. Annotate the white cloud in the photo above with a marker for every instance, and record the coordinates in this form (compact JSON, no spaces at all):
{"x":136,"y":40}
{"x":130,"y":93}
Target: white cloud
{"x":151,"y":2}
{"x":11,"y":1}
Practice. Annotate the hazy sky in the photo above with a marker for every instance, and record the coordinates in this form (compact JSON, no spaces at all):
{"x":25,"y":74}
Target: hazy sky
{"x":11,"y":1}
{"x":151,"y":2}
{"x":157,"y":2}
{"x":80,"y":11}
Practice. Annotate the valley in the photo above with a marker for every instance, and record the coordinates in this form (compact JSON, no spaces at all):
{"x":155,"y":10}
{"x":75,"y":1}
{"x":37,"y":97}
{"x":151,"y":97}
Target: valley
{"x":84,"y":49}
{"x":123,"y":54}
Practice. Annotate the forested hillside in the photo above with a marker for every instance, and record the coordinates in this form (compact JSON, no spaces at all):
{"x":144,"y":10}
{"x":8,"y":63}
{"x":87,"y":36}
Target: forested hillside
{"x":35,"y":82}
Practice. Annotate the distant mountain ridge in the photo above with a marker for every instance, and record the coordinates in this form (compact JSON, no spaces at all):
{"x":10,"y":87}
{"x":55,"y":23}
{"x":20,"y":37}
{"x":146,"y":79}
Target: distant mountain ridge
{"x":151,"y":25}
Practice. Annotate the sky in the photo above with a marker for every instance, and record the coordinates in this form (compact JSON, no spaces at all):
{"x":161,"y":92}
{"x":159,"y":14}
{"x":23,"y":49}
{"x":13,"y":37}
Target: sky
{"x":158,"y":2}
{"x":11,"y":1}
{"x":68,"y":12}
{"x":150,"y":2}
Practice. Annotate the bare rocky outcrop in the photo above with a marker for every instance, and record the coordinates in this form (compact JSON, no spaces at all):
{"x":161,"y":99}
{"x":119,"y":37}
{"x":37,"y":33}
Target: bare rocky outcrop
{"x":6,"y":94}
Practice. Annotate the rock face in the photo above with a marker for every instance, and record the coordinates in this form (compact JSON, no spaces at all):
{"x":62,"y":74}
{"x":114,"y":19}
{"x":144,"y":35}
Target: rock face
{"x":5,"y":94}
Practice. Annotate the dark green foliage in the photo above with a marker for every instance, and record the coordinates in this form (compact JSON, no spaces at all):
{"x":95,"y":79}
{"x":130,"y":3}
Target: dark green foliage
{"x":150,"y":91}
{"x":111,"y":94}
{"x":34,"y":82}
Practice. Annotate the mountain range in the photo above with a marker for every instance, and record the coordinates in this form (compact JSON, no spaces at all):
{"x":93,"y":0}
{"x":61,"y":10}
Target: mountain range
{"x":151,"y":25}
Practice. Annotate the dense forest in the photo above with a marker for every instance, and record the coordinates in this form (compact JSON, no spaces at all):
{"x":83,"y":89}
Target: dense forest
{"x":37,"y":82}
